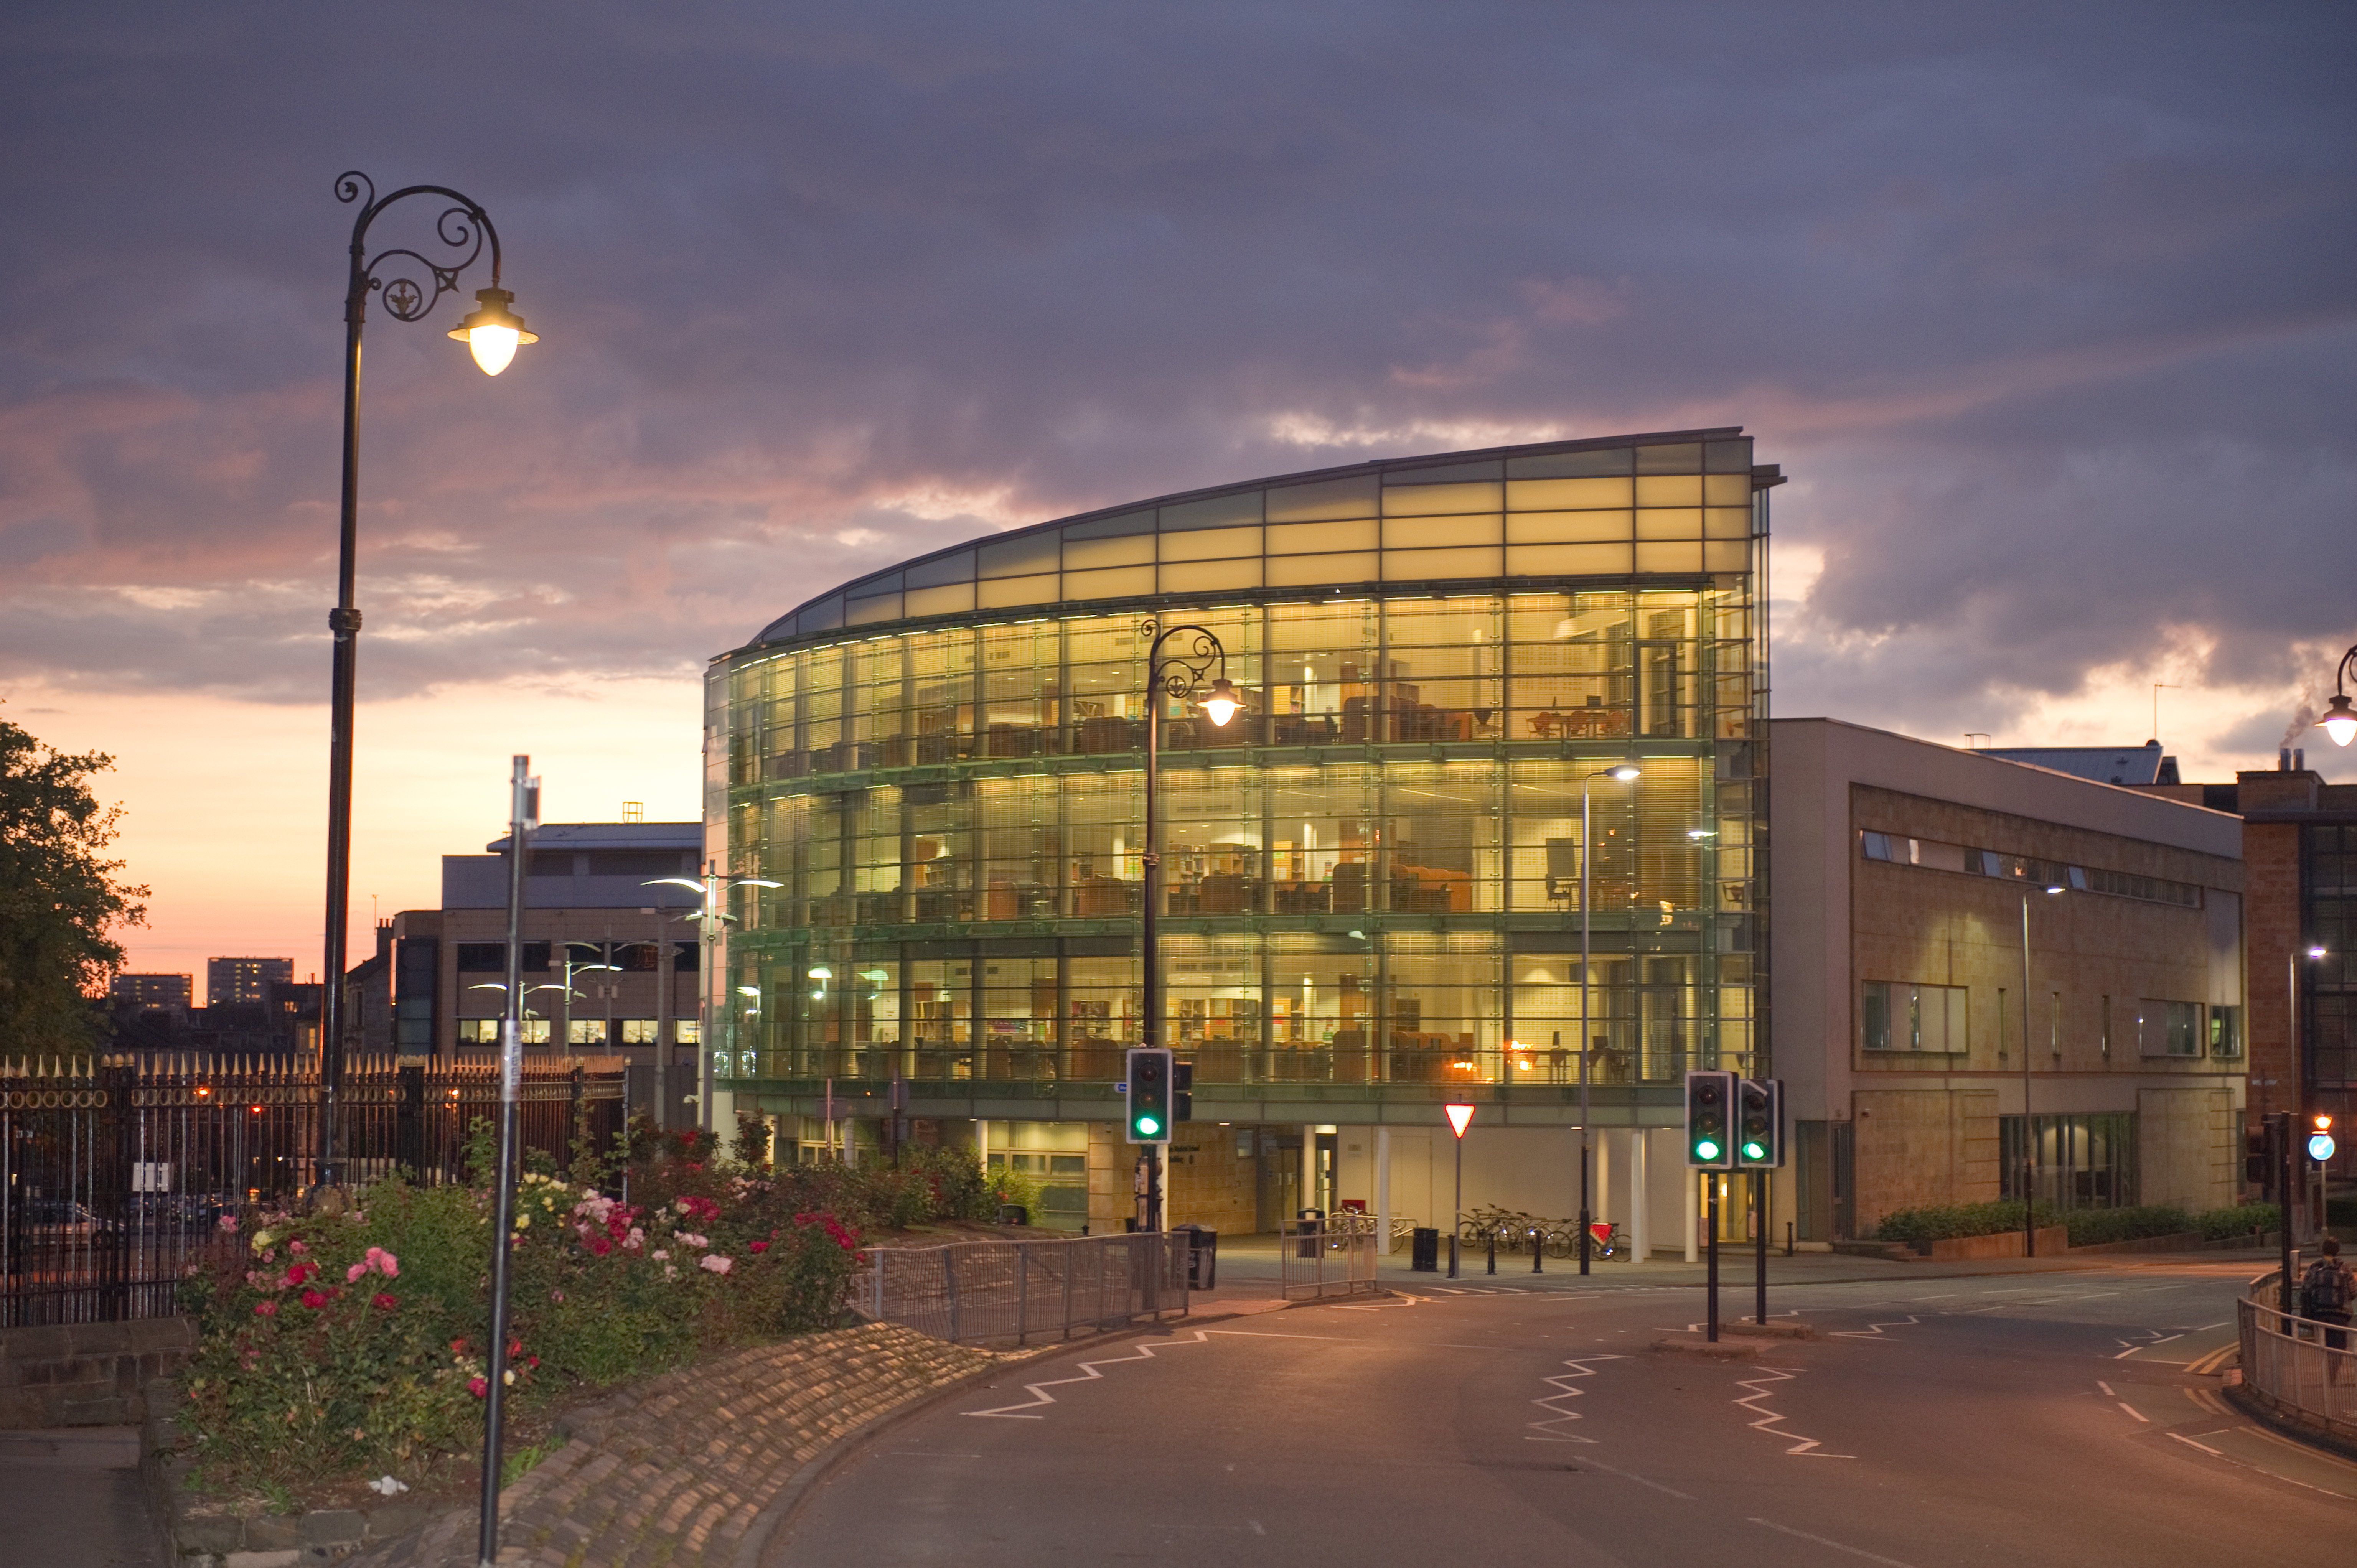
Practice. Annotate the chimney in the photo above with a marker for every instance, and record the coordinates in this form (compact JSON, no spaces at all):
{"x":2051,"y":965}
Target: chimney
{"x":2283,"y":759}
{"x":2299,"y":759}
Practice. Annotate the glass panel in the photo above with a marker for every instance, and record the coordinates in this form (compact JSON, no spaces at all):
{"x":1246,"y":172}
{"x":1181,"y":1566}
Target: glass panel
{"x":1726,"y":555}
{"x":1211,"y":544}
{"x":1211,"y":990}
{"x":1665,"y":557}
{"x":1417,"y":532}
{"x":1569,"y":560}
{"x":1441,"y":1008}
{"x":1018,"y":1020}
{"x":1728,"y":489}
{"x":1325,"y":498}
{"x":1562,"y":495}
{"x":1436,"y":566}
{"x":1209,"y":577}
{"x":1309,"y":570}
{"x":1566,"y":527}
{"x":1679,"y":459}
{"x":1669,"y":490}
{"x":1216,"y":511}
{"x":1126,"y":522}
{"x":1727,"y":522}
{"x":1018,"y":556}
{"x":957,"y":567}
{"x":1572,"y":666}
{"x":1132,"y":551}
{"x":955,"y":600}
{"x":1011,"y":591}
{"x":1118,"y":582}
{"x":883,"y":606}
{"x":1102,"y":865}
{"x":1565,"y":464}
{"x":1426,"y":500}
{"x":1300,"y":538}
{"x":1662,"y":523}
{"x":1321,"y":1009}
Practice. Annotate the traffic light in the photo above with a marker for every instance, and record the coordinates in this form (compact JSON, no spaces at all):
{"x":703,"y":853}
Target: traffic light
{"x":1759,"y":1124}
{"x":1182,"y":1092}
{"x":1149,"y":1095}
{"x":1710,"y":1102}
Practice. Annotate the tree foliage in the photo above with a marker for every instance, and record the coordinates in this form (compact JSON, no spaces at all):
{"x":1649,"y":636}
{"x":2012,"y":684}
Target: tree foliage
{"x":60,"y":898}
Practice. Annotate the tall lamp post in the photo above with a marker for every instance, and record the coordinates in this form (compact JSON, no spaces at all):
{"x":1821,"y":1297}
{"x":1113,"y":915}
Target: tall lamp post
{"x":412,"y":284}
{"x":2293,"y":1055}
{"x":2029,"y":1128}
{"x":709,"y":918}
{"x":1621,"y":773}
{"x":1171,"y":673}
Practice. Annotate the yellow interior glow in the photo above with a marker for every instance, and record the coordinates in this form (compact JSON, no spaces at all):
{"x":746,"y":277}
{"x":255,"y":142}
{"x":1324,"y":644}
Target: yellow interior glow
{"x":493,"y":346}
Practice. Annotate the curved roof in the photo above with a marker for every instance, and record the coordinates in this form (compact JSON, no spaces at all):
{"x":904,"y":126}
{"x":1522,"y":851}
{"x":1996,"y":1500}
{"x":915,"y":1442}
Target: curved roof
{"x":1430,"y":518}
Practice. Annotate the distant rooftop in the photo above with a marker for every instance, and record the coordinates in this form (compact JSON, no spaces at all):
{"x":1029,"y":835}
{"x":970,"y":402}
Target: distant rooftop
{"x":609,"y":836}
{"x":2103,"y":764}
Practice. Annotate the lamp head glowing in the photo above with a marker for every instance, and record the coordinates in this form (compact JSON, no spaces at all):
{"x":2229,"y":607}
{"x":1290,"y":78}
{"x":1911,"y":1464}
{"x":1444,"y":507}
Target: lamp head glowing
{"x":1222,"y":704}
{"x":492,"y":330}
{"x":1459,"y":1117}
{"x":1623,"y":772}
{"x":2340,"y":720}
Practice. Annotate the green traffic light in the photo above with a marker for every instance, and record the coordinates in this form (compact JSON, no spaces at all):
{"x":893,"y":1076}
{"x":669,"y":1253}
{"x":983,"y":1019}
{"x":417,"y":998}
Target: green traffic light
{"x":1706,"y":1149}
{"x":1755,"y":1151}
{"x":1148,"y":1125}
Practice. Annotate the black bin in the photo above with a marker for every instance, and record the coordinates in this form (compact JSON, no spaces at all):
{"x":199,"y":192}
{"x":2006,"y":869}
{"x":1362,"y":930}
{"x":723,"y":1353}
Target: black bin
{"x":1423,"y":1250}
{"x":1202,"y":1256}
{"x":1311,"y":1237}
{"x":1014,"y":1214}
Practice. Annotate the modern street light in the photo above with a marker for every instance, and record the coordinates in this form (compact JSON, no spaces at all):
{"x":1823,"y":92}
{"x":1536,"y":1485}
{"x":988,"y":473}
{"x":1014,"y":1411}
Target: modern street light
{"x":1178,"y":674}
{"x":2340,"y":720}
{"x":412,"y":284}
{"x":1620,"y":773}
{"x":571,"y":969}
{"x":2292,"y":1052}
{"x":2028,"y":1129}
{"x":714,"y":889}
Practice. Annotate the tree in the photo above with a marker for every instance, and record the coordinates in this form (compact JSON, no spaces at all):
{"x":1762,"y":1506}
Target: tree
{"x":59,"y":896}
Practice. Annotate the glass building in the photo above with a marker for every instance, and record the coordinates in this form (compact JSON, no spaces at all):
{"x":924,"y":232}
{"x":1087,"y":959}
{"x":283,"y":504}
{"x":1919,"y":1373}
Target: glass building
{"x":1371,"y":876}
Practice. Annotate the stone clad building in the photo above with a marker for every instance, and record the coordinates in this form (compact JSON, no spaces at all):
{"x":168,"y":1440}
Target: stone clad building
{"x":1906,"y":1011}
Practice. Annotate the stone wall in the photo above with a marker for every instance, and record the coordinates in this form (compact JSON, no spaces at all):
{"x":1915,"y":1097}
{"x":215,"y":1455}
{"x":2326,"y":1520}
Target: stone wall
{"x":86,"y":1374}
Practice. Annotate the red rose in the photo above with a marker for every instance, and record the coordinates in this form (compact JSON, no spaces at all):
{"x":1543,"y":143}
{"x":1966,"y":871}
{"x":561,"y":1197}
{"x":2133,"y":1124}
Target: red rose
{"x":476,"y":1387}
{"x":760,"y":1247}
{"x":384,"y":1301}
{"x":600,"y":1245}
{"x":314,"y":1300}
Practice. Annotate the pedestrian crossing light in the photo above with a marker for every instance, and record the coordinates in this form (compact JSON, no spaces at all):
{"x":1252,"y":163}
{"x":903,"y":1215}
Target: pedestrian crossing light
{"x":1149,"y":1095}
{"x":1710,"y":1101}
{"x":1759,"y":1124}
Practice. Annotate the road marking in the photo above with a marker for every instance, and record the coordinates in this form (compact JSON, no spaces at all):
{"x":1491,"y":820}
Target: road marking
{"x":2160,"y":1339}
{"x":2134,"y":1412}
{"x":1266,"y":1334}
{"x":2106,"y":1387}
{"x":1565,"y":1391}
{"x":1089,"y":1373}
{"x":1802,"y":1448}
{"x":1837,"y":1546}
{"x":1873,"y":1330}
{"x":2190,"y":1443}
{"x":1633,"y":1476}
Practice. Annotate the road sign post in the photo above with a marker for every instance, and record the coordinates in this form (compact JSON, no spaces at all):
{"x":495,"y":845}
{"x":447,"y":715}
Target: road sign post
{"x":1459,"y":1117}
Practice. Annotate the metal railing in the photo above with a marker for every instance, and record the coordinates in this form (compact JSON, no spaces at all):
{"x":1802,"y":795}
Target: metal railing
{"x":2290,"y":1365}
{"x":1019,"y":1291}
{"x":1334,"y":1256}
{"x":116,"y":1173}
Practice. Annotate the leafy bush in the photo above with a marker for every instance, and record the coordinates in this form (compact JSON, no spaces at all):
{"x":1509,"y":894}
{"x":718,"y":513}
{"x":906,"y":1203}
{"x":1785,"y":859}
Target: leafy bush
{"x":2091,"y":1226}
{"x":1945,"y":1221}
{"x":2218,"y":1224}
{"x":353,"y":1344}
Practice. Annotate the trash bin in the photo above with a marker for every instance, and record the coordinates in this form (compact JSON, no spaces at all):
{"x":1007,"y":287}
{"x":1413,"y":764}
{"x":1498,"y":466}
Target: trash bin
{"x":1202,"y":1256}
{"x":1423,"y":1250}
{"x":1014,"y":1214}
{"x":1312,"y":1233}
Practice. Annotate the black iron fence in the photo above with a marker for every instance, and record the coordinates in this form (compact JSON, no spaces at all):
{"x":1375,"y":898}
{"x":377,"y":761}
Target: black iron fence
{"x":117,"y":1174}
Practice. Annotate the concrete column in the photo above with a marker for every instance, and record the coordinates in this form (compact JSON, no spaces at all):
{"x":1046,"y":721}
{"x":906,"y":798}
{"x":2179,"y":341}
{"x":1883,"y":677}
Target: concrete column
{"x":1693,"y":1190}
{"x":1309,"y":1167}
{"x":1641,"y":1219}
{"x":1382,"y":1192}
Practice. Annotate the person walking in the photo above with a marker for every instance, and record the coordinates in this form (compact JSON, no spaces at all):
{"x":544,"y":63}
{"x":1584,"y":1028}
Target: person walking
{"x":2326,"y":1291}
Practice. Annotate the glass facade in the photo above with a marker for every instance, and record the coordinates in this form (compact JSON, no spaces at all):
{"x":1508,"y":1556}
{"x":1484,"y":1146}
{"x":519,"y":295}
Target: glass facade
{"x":1371,"y":876}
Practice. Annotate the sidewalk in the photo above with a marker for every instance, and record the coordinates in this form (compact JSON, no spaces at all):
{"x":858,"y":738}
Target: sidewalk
{"x":70,"y":1497}
{"x":1248,"y":1267}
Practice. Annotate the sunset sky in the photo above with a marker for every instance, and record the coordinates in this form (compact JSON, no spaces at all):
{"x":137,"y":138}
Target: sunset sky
{"x":2047,"y":310}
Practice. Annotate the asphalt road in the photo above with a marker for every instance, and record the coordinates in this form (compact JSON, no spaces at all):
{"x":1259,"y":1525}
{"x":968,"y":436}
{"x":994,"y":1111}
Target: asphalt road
{"x":2046,"y":1418}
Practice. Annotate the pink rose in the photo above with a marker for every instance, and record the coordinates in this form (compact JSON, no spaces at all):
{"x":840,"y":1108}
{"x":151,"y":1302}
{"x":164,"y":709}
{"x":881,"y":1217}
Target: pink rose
{"x":229,"y":1222}
{"x":352,"y":1275}
{"x":297,"y":1248}
{"x":718,"y":1264}
{"x":265,"y":1309}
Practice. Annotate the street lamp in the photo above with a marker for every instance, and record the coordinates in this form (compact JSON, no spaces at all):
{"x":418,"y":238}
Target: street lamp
{"x":571,"y":969}
{"x":2340,"y":720}
{"x":709,"y":918}
{"x":1180,"y":673}
{"x":412,"y":284}
{"x":2028,"y":1129}
{"x":2292,"y":1052}
{"x":1620,"y":773}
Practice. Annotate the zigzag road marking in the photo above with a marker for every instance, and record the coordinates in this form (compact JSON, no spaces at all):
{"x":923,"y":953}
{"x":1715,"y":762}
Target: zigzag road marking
{"x":1040,"y":1397}
{"x":1875,"y":1330}
{"x":1563,"y":1385}
{"x":1769,"y":1420}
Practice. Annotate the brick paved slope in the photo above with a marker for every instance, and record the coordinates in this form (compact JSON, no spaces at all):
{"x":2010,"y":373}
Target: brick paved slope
{"x":677,"y":1472}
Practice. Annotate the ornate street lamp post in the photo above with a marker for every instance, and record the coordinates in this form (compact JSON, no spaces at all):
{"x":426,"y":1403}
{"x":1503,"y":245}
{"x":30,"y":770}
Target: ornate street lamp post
{"x":1178,"y":673}
{"x":412,"y":284}
{"x":2340,"y":720}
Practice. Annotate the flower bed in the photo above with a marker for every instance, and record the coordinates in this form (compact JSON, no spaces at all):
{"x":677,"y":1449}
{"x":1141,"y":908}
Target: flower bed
{"x":348,"y":1347}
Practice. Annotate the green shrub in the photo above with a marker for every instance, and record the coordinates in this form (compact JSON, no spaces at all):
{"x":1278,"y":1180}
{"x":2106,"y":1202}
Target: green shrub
{"x":1947,"y":1221}
{"x":2091,"y":1226}
{"x":2218,"y":1224}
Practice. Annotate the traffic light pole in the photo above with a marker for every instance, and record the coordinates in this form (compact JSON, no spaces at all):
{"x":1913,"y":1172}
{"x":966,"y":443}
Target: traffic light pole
{"x":1760,"y":1244}
{"x":1710,"y":1288}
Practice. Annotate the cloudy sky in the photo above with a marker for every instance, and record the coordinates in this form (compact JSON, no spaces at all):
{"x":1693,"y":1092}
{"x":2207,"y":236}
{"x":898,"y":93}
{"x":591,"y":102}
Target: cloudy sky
{"x":2046,"y":309}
